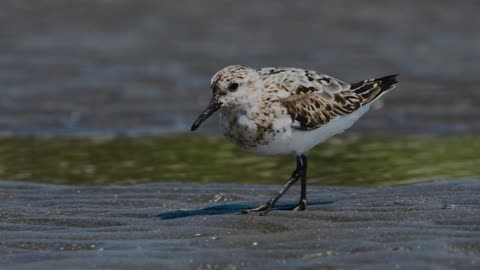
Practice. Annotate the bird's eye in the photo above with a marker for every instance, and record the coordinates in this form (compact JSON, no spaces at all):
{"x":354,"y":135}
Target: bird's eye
{"x":233,"y":87}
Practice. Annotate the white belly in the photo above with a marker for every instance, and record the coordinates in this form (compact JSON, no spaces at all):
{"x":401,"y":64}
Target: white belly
{"x":300,"y":141}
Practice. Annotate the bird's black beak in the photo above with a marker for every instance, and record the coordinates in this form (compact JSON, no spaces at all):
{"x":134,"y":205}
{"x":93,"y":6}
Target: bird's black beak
{"x":211,"y":108}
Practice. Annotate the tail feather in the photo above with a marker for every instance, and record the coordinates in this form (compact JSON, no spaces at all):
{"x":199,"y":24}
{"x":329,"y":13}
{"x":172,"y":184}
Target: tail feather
{"x":373,"y":88}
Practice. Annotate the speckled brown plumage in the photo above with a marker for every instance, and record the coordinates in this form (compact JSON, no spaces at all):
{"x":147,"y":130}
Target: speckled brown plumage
{"x":320,"y":101}
{"x":287,"y":110}
{"x":260,"y":105}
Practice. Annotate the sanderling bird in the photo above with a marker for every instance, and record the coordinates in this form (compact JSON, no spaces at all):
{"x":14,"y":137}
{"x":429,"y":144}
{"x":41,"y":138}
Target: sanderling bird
{"x":273,"y":111}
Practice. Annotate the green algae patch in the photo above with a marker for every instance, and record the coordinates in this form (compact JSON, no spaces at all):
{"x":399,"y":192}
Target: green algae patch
{"x":351,"y":160}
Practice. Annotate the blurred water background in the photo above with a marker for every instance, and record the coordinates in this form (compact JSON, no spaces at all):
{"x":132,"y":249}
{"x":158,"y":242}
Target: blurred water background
{"x":142,"y":67}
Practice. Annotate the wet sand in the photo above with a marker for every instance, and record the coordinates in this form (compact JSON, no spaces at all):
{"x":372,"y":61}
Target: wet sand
{"x":193,"y":226}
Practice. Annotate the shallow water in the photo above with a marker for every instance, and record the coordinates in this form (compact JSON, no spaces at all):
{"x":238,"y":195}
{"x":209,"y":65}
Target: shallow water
{"x":347,"y":160}
{"x":143,"y":67}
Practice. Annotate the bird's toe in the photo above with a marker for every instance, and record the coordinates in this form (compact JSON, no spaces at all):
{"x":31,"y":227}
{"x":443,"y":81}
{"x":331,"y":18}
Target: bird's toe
{"x":302,"y":206}
{"x":262,"y":209}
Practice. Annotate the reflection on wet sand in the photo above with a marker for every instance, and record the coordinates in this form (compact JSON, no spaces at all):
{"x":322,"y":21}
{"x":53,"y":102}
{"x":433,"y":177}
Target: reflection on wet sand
{"x":348,"y":160}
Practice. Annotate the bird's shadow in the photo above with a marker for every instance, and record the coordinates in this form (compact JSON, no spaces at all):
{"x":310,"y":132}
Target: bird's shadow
{"x":226,"y":209}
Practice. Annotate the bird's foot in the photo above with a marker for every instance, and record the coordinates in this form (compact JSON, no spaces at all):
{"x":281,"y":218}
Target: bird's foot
{"x":302,"y":206}
{"x":262,"y":209}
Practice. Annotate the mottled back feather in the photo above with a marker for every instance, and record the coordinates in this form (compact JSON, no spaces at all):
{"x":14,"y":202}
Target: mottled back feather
{"x":316,"y":99}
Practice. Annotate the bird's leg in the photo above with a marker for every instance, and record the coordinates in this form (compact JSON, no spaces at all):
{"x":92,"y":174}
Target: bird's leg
{"x":302,"y":205}
{"x":267,"y":207}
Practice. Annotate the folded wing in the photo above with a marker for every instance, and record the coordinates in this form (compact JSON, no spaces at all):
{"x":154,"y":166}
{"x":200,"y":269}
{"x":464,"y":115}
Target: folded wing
{"x":319,"y":99}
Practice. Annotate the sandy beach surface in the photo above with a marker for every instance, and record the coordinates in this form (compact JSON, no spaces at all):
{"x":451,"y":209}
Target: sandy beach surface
{"x":194,"y":226}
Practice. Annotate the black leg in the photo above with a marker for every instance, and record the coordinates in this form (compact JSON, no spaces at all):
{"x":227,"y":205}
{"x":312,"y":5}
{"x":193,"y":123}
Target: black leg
{"x":300,"y":172}
{"x":302,"y":205}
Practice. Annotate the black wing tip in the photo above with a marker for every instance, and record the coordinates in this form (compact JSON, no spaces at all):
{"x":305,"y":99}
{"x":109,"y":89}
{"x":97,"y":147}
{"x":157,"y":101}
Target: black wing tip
{"x":388,"y":77}
{"x":387,"y":82}
{"x":372,"y":89}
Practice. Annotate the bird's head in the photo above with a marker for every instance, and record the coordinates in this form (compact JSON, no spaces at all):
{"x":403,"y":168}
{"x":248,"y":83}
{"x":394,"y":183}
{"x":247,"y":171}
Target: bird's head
{"x":228,"y":85}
